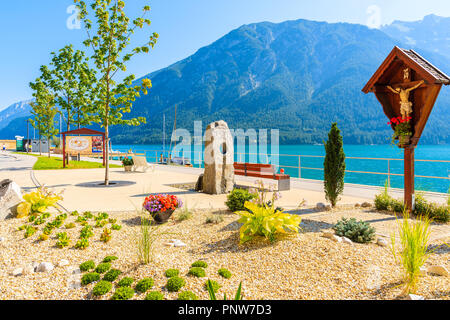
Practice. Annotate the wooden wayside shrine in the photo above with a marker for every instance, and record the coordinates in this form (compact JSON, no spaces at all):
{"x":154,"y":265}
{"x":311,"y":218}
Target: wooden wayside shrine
{"x":407,"y":86}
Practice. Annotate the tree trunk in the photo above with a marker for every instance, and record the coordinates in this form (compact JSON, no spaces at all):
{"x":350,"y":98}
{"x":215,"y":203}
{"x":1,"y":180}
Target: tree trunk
{"x":40,"y":144}
{"x":107,"y":154}
{"x":48,"y":144}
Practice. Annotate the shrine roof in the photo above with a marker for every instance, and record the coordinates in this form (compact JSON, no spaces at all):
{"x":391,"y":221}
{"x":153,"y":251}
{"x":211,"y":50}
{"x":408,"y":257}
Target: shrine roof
{"x":415,"y":61}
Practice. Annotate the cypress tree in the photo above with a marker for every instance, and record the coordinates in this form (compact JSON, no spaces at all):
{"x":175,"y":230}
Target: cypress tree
{"x":334,"y":165}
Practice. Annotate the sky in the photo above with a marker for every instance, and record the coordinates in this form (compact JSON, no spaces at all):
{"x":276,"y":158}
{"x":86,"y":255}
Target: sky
{"x":31,"y":29}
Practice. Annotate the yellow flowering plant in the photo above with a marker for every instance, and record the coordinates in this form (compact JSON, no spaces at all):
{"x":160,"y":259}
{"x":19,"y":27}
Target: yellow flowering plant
{"x":37,"y":202}
{"x":266,"y":221}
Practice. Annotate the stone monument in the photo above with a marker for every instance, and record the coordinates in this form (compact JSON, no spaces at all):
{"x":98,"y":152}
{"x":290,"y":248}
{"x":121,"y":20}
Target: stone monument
{"x":218,"y":177}
{"x":10,"y":198}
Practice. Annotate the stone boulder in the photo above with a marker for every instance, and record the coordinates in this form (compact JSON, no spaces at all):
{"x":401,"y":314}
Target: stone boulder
{"x":10,"y":198}
{"x":218,"y":177}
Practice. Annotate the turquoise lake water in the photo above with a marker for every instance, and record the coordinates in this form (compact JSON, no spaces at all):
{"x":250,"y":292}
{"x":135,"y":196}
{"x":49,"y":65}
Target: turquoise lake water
{"x":423,"y":152}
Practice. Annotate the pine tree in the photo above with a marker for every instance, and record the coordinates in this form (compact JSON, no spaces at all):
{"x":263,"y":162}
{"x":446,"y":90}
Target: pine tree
{"x":334,"y":165}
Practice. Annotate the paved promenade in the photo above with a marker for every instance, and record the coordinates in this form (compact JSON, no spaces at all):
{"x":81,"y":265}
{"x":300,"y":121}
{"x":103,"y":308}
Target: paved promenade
{"x":80,"y":195}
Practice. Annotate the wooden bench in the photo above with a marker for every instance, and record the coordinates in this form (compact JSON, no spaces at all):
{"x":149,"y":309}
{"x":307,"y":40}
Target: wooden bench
{"x":265,"y":171}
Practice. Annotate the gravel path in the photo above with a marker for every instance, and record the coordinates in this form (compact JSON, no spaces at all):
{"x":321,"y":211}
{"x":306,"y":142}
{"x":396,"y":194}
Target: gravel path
{"x":306,"y":266}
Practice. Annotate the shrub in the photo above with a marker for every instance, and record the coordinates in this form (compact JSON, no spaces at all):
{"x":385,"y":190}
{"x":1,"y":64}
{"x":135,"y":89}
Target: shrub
{"x":29,"y":231}
{"x":116,"y":227}
{"x":237,"y":198}
{"x":125,"y":282}
{"x":109,"y":259}
{"x":102,"y":216}
{"x":334,"y":165}
{"x":103,"y":267}
{"x":123,"y":293}
{"x":197,"y":272}
{"x":37,"y":202}
{"x":266,"y":221}
{"x":63,"y":240}
{"x":88,"y":215}
{"x":112,"y":275}
{"x":174,"y":284}
{"x":88,"y":265}
{"x":172,"y":273}
{"x":100,"y":223}
{"x":74,"y":213}
{"x":86,"y":232}
{"x":214,"y":219}
{"x":43,"y":237}
{"x":106,"y":235}
{"x":89,"y":278}
{"x":70,"y":225}
{"x":187,"y":295}
{"x":440,"y":213}
{"x":154,"y":295}
{"x":214,"y":285}
{"x":101,"y":288}
{"x":112,"y":221}
{"x":199,"y":263}
{"x":145,"y":284}
{"x":413,"y":254}
{"x":184,"y":214}
{"x":82,"y":244}
{"x":357,"y":231}
{"x":224,"y":273}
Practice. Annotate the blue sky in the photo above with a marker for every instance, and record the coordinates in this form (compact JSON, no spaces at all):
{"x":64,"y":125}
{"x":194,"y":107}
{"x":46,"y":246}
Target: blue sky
{"x":31,"y":29}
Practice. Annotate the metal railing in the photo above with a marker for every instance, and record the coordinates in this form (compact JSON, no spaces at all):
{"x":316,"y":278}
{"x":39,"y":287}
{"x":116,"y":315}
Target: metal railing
{"x":154,"y":156}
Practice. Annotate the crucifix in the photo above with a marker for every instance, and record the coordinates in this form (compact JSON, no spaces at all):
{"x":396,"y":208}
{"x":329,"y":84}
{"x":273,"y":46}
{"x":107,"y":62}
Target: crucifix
{"x":398,"y":78}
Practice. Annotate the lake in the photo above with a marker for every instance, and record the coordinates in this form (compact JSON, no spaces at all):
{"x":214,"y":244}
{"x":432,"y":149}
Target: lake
{"x":310,"y":163}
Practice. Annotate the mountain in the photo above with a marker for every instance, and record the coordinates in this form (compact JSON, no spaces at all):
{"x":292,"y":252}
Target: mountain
{"x":431,"y":32}
{"x":16,"y":110}
{"x":298,"y":76}
{"x":295,"y":76}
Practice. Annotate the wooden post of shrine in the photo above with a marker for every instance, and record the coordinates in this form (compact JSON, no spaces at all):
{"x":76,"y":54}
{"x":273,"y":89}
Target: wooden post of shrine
{"x":407,"y":86}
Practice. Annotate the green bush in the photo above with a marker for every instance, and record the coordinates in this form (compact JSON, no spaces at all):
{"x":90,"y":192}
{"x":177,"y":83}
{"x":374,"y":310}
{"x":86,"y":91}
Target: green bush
{"x":224,"y":273}
{"x":172,"y":273}
{"x":89,"y":278}
{"x":116,"y":227}
{"x":123,"y":293}
{"x":174,"y":284}
{"x":103,"y":267}
{"x":237,"y":198}
{"x":70,"y":225}
{"x":199,"y":263}
{"x":357,"y":231}
{"x":215,"y":285}
{"x":63,"y":240}
{"x":109,"y":259}
{"x":440,"y":213}
{"x":101,"y":288}
{"x":88,"y":265}
{"x":86,"y":232}
{"x":125,"y":282}
{"x":215,"y":219}
{"x":145,"y":284}
{"x":88,"y":215}
{"x":154,"y":295}
{"x":187,"y":295}
{"x":29,"y":231}
{"x":112,"y":275}
{"x":82,"y":244}
{"x":197,"y":272}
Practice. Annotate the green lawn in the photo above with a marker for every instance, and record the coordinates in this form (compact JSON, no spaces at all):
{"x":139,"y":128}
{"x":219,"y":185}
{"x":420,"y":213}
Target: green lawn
{"x":46,"y":163}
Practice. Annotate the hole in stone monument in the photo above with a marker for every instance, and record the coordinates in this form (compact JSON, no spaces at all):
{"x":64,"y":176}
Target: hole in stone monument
{"x":223,"y":148}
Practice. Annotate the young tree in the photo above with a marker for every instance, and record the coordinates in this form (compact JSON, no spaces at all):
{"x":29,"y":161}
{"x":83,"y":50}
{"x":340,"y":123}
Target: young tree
{"x":109,"y":41}
{"x":334,"y":165}
{"x":44,"y":111}
{"x":70,"y":79}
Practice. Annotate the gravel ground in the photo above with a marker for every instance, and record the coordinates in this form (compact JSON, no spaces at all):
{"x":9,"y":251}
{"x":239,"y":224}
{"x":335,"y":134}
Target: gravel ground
{"x":306,"y":266}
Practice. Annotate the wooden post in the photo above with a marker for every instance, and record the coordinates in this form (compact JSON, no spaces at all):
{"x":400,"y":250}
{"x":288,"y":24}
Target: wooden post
{"x":64,"y":150}
{"x":409,"y":177}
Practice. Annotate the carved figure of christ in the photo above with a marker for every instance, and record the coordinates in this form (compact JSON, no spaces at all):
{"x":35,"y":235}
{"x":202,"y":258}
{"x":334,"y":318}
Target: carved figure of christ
{"x":405,"y":104}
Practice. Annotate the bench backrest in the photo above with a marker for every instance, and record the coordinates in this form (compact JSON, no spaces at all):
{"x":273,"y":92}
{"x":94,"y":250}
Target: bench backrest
{"x":245,"y":168}
{"x":139,"y":161}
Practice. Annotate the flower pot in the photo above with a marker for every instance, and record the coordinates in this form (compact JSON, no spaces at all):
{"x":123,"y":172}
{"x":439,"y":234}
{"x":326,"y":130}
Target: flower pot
{"x":162,"y":217}
{"x":404,"y":141}
{"x":128,"y":168}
